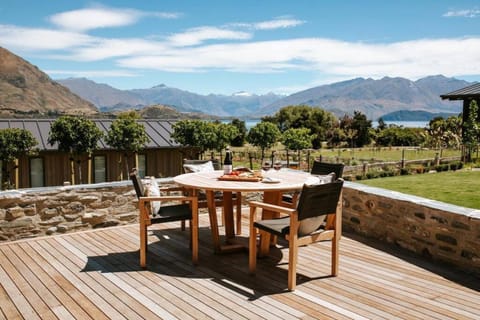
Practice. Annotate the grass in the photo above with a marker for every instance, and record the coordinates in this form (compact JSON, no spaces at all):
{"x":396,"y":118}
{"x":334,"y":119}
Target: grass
{"x":457,"y":187}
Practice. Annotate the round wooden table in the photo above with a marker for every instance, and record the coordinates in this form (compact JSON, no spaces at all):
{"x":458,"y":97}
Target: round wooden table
{"x":286,"y":180}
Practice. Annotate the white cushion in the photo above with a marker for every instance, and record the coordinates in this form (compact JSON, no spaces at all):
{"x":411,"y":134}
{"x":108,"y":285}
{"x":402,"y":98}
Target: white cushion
{"x":153,"y":190}
{"x":320,"y":179}
{"x":204,"y":167}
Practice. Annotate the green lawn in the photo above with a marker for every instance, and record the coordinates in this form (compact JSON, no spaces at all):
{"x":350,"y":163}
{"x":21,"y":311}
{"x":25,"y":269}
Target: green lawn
{"x":460,"y":187}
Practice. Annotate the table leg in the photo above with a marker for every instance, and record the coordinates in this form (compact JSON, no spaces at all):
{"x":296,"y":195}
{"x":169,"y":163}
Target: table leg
{"x":228,"y":213}
{"x":212,"y":214}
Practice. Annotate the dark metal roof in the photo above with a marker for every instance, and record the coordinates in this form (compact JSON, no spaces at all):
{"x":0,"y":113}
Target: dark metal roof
{"x":158,"y":131}
{"x":470,"y":92}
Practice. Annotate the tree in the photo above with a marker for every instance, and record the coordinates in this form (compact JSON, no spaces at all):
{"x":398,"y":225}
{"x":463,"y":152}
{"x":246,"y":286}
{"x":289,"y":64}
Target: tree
{"x":263,"y":135}
{"x":194,"y":133}
{"x":225,"y":133}
{"x":127,"y":135}
{"x":239,"y":140}
{"x":297,"y":138}
{"x":471,"y":129}
{"x":75,"y":135}
{"x":14,"y":142}
{"x":363,"y":127}
{"x":317,"y":120}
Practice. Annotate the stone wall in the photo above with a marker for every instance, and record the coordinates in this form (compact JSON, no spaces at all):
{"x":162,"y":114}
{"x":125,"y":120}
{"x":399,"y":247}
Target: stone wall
{"x":433,"y":229}
{"x":43,"y":211}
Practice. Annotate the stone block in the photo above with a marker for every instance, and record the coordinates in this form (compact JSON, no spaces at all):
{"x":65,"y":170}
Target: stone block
{"x":101,"y":204}
{"x":14,"y":213}
{"x":72,"y":208}
{"x":30,"y":210}
{"x":46,"y":213}
{"x":95,"y":218}
{"x":52,"y":221}
{"x":89,"y":198}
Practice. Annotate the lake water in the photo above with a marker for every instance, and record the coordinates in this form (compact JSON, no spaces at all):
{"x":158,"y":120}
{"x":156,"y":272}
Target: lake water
{"x":406,"y":124}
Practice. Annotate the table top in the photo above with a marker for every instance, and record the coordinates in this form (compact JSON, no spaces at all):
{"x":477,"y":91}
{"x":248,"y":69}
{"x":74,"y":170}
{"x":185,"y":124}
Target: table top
{"x":288,"y":180}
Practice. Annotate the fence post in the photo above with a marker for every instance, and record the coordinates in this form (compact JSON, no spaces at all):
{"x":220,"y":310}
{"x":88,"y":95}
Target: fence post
{"x":402,"y":165}
{"x":250,"y":156}
{"x":365,"y":165}
{"x":308,"y":160}
{"x":437,"y":159}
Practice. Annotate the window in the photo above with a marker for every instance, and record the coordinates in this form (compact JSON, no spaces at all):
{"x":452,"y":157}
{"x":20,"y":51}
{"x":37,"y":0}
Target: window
{"x":36,"y":173}
{"x":142,"y":165}
{"x":99,"y":169}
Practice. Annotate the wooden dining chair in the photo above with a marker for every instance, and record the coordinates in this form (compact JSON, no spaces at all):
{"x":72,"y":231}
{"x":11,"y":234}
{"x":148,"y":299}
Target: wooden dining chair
{"x":305,"y":224}
{"x":319,"y":168}
{"x":189,"y":166}
{"x":184,"y":208}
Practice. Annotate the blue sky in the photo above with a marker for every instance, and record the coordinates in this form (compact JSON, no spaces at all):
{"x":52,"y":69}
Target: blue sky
{"x":215,"y":46}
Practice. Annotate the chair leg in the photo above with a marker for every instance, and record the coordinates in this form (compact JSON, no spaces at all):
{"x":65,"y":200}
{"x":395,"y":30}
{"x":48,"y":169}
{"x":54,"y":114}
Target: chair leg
{"x":292,"y":263}
{"x":143,"y":243}
{"x":239,"y":213}
{"x":252,"y":243}
{"x":335,"y":254}
{"x":183,"y":225}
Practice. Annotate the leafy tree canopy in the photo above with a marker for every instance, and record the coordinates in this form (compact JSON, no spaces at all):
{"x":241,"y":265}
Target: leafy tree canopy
{"x":317,"y":120}
{"x":263,"y":135}
{"x":297,"y":138}
{"x":15,"y":142}
{"x":126,"y":133}
{"x":74,"y":134}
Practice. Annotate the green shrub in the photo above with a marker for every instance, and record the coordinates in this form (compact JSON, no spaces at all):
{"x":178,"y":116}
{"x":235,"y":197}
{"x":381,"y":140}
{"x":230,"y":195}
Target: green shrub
{"x":372,"y":175}
{"x":404,"y":172}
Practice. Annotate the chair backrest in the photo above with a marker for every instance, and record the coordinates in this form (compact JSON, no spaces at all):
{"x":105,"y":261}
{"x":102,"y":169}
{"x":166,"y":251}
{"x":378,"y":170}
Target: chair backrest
{"x":322,"y":168}
{"x":316,"y":201}
{"x":137,"y":183}
{"x":215,"y":162}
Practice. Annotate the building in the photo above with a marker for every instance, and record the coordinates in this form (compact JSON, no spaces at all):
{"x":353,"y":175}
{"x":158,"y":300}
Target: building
{"x":162,"y":157}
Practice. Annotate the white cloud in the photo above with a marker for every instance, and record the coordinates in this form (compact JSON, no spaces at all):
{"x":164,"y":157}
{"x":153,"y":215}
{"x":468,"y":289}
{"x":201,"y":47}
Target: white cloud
{"x":411,"y":59}
{"x":277,"y":24}
{"x":92,"y":73}
{"x":102,"y":17}
{"x":17,"y":38}
{"x":469,"y":13}
{"x":198,"y":35}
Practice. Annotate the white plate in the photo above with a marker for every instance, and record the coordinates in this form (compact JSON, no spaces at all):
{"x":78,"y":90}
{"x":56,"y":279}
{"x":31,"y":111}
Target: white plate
{"x":270,"y":180}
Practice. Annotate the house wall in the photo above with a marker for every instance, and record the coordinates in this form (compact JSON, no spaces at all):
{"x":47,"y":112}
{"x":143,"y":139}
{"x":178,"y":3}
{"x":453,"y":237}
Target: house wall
{"x":166,"y":162}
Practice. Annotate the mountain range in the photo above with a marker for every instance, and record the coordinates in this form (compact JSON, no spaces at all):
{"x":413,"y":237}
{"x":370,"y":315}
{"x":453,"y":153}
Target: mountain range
{"x":25,"y":89}
{"x":374,"y":98}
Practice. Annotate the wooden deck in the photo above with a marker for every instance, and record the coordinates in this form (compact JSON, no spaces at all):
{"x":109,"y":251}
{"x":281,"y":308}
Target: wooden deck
{"x":95,"y":275}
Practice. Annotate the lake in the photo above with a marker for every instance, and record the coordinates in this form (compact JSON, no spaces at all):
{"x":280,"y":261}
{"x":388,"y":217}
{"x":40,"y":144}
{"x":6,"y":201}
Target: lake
{"x":406,"y":124}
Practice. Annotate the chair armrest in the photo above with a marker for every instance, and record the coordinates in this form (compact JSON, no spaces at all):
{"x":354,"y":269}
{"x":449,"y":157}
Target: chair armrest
{"x":272,"y":207}
{"x":142,"y":200}
{"x":171,"y":189}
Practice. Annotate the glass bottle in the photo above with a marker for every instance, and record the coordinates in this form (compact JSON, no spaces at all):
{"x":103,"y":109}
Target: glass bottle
{"x":227,"y":163}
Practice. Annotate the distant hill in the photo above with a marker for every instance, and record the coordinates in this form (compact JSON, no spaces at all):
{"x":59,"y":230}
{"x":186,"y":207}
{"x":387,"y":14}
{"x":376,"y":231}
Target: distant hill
{"x":376,"y":98}
{"x":415,"y":115}
{"x":107,"y":98}
{"x":26,"y":91}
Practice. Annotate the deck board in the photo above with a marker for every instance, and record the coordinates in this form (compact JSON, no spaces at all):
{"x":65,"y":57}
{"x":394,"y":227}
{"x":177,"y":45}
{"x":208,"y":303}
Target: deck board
{"x":95,"y":275}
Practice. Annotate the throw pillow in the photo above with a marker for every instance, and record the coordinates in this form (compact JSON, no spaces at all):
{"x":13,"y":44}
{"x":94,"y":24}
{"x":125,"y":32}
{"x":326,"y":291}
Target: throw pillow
{"x":153,"y":190}
{"x":204,"y":167}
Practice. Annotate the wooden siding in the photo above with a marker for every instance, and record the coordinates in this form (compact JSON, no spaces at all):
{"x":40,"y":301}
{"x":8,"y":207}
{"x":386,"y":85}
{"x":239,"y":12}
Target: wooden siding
{"x":164,"y":162}
{"x":95,"y":275}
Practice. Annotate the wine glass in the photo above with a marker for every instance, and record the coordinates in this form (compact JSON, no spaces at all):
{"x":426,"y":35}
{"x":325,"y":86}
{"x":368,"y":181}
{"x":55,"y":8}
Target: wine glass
{"x":278,"y":165}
